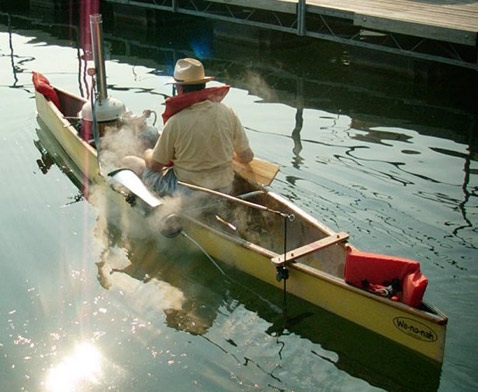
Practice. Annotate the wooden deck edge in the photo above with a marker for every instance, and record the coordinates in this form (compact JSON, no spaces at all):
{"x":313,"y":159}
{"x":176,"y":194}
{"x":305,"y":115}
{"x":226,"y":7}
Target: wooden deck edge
{"x":416,"y":29}
{"x":286,"y":6}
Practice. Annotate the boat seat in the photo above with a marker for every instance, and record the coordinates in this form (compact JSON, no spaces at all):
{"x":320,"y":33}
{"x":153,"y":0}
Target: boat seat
{"x":378,"y":269}
{"x":310,"y":248}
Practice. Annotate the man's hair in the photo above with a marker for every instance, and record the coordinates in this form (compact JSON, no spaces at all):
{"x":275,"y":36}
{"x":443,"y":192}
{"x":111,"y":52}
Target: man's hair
{"x":188,"y":88}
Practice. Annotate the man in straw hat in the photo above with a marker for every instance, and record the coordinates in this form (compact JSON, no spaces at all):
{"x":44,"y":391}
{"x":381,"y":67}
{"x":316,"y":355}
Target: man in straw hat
{"x":200,"y":138}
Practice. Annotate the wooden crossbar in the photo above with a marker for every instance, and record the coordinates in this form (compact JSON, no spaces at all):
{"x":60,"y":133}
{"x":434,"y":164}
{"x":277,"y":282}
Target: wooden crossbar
{"x":310,"y":248}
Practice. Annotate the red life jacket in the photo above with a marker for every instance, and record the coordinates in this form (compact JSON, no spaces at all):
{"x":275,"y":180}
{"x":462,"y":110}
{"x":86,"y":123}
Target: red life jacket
{"x":179,"y":102}
{"x":43,"y":86}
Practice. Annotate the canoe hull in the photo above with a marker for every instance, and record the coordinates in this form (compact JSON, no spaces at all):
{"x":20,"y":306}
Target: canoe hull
{"x":420,"y":331}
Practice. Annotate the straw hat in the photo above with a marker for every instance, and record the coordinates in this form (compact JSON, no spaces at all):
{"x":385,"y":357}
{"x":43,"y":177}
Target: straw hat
{"x":189,"y":71}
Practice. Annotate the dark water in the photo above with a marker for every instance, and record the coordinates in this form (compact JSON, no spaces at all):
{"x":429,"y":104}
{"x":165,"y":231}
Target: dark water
{"x":389,"y":158}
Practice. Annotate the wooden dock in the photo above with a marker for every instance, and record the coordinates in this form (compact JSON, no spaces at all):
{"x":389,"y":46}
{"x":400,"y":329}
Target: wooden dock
{"x":445,"y":31}
{"x":453,"y":21}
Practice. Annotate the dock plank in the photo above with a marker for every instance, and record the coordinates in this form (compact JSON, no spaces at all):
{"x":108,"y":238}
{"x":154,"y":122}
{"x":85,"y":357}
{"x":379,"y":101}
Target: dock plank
{"x":445,"y":13}
{"x":454,"y":21}
{"x":416,"y":29}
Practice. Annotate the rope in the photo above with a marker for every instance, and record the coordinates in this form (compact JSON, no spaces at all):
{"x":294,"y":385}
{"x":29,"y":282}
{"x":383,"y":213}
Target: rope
{"x":272,"y":305}
{"x":204,"y":251}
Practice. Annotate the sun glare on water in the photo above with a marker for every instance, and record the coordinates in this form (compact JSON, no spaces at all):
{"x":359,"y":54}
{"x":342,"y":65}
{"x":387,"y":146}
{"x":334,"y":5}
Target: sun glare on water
{"x":82,"y":366}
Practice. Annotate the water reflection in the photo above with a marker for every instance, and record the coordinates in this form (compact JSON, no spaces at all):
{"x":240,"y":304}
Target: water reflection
{"x":299,"y":122}
{"x":16,"y":61}
{"x":78,"y":370}
{"x":137,"y":270}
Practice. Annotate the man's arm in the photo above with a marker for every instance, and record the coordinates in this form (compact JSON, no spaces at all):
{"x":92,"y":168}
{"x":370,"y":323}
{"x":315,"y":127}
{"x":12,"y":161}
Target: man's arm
{"x":244,"y":156}
{"x":151,"y":163}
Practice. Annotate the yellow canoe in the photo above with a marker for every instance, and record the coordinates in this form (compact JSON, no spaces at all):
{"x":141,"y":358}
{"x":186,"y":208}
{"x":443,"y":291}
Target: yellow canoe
{"x":268,"y":237}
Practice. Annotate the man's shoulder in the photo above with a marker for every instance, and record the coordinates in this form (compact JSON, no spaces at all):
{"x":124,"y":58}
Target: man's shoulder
{"x":201,"y":109}
{"x":208,"y":105}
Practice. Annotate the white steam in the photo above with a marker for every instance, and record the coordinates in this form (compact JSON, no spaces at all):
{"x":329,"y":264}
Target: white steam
{"x":132,"y":137}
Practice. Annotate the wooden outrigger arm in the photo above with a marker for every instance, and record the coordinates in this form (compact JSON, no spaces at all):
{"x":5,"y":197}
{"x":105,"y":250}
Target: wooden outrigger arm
{"x":310,"y":248}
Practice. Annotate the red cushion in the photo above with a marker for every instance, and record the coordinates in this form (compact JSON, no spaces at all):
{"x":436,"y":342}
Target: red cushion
{"x":43,"y":86}
{"x":379,"y":269}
